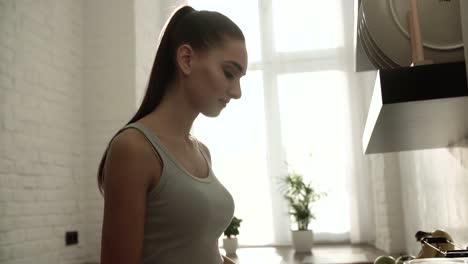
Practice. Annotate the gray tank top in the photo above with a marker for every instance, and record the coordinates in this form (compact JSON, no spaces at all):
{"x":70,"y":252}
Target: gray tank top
{"x":185,"y":215}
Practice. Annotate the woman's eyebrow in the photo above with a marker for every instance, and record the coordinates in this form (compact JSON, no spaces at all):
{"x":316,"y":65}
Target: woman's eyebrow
{"x":236,"y":65}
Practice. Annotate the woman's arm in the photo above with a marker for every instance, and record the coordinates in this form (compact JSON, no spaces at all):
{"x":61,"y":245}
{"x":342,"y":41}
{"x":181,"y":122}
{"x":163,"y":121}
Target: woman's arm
{"x":126,"y":181}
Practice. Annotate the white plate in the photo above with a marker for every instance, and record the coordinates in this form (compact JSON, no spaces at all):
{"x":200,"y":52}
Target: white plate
{"x":392,"y":41}
{"x":366,"y":49}
{"x":375,"y":55}
{"x":371,"y":53}
{"x":373,"y":48}
{"x":439,"y":20}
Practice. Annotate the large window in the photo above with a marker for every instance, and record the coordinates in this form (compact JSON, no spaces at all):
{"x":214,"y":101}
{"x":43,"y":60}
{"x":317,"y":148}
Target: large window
{"x":312,"y":125}
{"x":292,"y":112}
{"x":237,"y":144}
{"x":307,"y":25}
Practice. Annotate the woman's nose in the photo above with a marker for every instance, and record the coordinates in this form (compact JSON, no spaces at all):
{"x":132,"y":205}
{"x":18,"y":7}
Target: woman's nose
{"x":235,"y":92}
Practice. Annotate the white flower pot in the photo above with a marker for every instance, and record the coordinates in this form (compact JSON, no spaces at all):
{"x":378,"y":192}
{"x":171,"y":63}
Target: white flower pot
{"x":303,"y":240}
{"x":230,"y":245}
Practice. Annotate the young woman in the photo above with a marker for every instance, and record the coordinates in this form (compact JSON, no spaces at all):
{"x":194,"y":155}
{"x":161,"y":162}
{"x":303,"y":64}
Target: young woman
{"x":163,"y":203}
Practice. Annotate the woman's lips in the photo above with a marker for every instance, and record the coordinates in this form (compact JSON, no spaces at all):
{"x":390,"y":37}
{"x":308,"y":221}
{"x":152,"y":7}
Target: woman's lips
{"x":224,"y":102}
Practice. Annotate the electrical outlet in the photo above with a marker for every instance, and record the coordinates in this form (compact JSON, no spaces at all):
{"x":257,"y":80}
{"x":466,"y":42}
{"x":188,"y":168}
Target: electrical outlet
{"x":71,"y":238}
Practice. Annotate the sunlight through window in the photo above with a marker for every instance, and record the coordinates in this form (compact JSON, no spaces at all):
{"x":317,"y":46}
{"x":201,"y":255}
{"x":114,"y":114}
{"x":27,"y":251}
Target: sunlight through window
{"x":236,"y":140}
{"x":301,"y":25}
{"x":312,"y":108}
{"x":307,"y":106}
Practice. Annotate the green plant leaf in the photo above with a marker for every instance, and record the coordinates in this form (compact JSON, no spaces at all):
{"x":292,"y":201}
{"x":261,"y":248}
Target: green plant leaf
{"x":300,"y":196}
{"x":233,"y":227}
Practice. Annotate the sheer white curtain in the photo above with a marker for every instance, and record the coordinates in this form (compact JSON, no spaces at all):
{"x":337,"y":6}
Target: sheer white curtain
{"x":312,"y":108}
{"x":295,"y":108}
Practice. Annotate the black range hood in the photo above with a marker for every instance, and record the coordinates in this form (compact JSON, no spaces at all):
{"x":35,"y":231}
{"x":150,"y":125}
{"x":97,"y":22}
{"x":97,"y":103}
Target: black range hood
{"x":418,"y":107}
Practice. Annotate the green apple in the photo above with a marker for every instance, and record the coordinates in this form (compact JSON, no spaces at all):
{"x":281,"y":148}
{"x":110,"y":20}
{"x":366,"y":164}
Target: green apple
{"x":402,"y":259}
{"x":384,"y":260}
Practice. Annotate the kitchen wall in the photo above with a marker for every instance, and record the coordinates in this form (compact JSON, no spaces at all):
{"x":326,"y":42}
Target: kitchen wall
{"x":41,"y":131}
{"x":377,"y":186}
{"x":416,"y":190}
{"x":150,"y":18}
{"x":388,"y":203}
{"x":434,"y":196}
{"x":120,"y":47}
{"x":148,"y":22}
{"x":71,"y":74}
{"x":109,"y":94}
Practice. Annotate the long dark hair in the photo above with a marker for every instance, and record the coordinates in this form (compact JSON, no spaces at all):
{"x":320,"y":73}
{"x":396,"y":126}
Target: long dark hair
{"x":202,"y":30}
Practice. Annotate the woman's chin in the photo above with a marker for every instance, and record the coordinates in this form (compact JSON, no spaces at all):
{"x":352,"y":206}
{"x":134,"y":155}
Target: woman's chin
{"x":212,"y":113}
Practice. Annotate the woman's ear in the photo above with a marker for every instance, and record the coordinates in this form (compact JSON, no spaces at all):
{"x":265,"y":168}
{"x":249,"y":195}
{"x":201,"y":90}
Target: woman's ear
{"x":185,"y":56}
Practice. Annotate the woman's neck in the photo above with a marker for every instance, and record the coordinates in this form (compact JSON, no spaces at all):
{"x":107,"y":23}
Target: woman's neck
{"x":174,"y":116}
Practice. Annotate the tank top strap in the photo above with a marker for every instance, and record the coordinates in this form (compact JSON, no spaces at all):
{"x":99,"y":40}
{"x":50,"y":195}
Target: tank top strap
{"x":150,"y":136}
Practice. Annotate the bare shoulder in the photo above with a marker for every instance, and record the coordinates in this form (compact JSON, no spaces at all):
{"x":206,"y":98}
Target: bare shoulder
{"x":131,"y":154}
{"x":131,"y":141}
{"x":131,"y":145}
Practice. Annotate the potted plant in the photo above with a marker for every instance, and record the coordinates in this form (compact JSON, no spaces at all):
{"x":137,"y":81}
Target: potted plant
{"x":300,"y":196}
{"x":230,"y":243}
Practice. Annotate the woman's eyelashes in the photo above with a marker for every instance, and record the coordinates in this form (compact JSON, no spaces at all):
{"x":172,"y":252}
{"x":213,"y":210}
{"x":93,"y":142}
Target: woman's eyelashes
{"x":229,"y":75}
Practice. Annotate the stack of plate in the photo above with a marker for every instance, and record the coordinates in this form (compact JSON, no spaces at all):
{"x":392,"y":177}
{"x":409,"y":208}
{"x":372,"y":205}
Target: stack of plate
{"x":383,"y":31}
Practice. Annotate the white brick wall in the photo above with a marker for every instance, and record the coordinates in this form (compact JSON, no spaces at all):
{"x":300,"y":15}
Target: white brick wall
{"x":148,"y":24}
{"x":434,"y":184}
{"x":388,"y":203}
{"x":109,"y":94}
{"x":67,"y":84}
{"x":119,"y":54}
{"x":362,"y":195}
{"x":41,"y":134}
